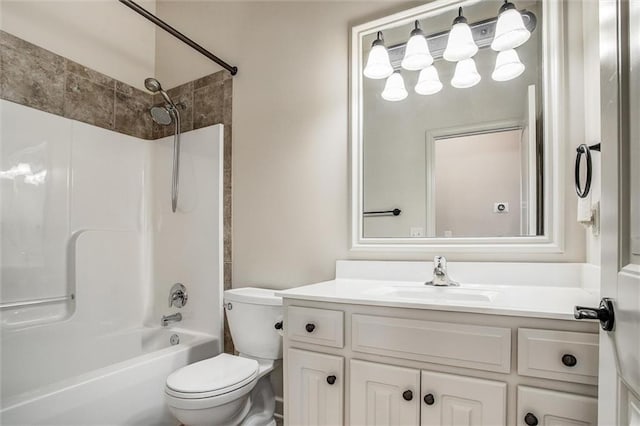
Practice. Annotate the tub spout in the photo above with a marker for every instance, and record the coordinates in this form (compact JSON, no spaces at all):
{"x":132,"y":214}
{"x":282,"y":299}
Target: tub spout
{"x":166,"y":319}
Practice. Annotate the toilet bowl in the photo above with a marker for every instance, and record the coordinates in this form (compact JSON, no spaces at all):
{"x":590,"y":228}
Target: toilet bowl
{"x":227,"y":389}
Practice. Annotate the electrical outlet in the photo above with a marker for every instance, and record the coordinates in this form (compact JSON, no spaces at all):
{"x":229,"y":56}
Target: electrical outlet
{"x":417,"y":232}
{"x":502,"y":207}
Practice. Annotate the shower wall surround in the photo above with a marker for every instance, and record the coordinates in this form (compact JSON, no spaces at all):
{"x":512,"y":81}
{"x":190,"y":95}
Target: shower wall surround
{"x":40,"y":79}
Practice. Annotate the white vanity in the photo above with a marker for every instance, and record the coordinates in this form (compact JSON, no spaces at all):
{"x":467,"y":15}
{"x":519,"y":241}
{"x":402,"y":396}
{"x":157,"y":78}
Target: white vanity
{"x":377,"y":346}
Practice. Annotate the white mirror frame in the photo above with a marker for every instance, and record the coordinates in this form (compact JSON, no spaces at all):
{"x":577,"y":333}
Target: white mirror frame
{"x":553,"y":135}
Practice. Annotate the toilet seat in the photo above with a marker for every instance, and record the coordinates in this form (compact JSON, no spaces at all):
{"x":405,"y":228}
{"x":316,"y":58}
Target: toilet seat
{"x":213,"y":377}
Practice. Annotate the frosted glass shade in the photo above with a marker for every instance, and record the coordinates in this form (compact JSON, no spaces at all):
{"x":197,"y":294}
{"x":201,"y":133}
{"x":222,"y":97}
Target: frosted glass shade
{"x":466,"y":74}
{"x":394,"y":89}
{"x":378,"y":64}
{"x":416,"y":54}
{"x":428,"y":81}
{"x":508,"y":66}
{"x":510,"y":31}
{"x":460,"y":44}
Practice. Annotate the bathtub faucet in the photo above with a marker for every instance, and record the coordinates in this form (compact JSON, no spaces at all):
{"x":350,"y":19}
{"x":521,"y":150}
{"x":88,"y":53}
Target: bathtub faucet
{"x":166,"y":319}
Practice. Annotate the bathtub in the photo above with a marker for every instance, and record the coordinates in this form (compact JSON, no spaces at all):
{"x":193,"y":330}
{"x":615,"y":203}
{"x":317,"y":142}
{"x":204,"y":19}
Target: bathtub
{"x":81,"y":376}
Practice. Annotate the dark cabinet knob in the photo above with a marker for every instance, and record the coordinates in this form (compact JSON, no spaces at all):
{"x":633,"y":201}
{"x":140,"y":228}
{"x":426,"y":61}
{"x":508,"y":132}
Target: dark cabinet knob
{"x":569,"y":360}
{"x":310,"y":327}
{"x":429,"y":399}
{"x":331,"y":379}
{"x":407,"y":395}
{"x":530,"y":419}
{"x":278,"y":325}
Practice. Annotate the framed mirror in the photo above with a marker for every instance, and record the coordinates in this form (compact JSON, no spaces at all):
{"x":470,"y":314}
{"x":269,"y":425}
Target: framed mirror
{"x":456,"y":112}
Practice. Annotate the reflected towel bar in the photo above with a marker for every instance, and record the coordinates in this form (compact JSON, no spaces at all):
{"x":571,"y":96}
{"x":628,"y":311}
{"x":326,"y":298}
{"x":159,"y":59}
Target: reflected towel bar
{"x":22,"y":303}
{"x":394,"y":212}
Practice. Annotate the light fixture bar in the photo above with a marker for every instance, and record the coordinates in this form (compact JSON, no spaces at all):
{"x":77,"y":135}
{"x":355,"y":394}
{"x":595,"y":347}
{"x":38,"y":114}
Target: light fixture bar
{"x":482,"y":31}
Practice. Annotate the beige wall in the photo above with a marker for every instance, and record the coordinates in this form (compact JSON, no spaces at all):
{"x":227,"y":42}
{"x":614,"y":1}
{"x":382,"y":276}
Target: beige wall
{"x":290,"y":123}
{"x":101,"y":34}
{"x":471,"y":174}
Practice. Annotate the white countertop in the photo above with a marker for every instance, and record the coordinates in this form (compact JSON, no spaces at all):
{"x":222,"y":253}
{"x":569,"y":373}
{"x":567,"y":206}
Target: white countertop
{"x":514,"y":300}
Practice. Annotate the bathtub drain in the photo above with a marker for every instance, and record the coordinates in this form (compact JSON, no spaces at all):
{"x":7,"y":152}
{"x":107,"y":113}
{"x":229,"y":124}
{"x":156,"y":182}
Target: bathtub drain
{"x":174,"y":339}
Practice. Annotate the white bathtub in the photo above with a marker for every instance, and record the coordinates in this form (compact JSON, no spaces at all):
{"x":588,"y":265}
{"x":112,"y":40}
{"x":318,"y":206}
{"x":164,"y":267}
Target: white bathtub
{"x":74,"y":376}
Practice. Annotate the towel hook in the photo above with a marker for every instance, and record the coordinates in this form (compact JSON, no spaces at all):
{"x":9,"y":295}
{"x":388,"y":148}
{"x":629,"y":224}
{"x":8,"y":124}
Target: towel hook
{"x":585,"y":150}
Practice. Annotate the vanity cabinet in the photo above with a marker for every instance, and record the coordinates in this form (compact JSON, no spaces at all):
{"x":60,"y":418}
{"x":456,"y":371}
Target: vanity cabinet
{"x":402,"y":366}
{"x":383,"y":394}
{"x":316,"y":388}
{"x":389,"y":395}
{"x":544,"y":407}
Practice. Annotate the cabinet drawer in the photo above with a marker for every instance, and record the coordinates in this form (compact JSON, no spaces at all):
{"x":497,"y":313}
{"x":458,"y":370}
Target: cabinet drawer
{"x":545,"y":408}
{"x":460,"y":345}
{"x":558,"y":355}
{"x":318,"y":326}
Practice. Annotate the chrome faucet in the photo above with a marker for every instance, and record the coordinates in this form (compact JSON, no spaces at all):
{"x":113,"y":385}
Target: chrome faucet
{"x":166,"y":319}
{"x":440,"y":276}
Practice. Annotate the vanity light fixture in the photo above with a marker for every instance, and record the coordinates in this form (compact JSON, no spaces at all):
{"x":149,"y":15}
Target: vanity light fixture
{"x":460,"y":44}
{"x":508,"y":66}
{"x":510,"y":30}
{"x":416,"y":54}
{"x":428,"y":81}
{"x":394,"y":89}
{"x":466,"y":74}
{"x":378,"y":63}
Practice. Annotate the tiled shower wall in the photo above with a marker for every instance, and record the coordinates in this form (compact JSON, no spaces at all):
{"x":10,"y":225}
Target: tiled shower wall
{"x":38,"y":78}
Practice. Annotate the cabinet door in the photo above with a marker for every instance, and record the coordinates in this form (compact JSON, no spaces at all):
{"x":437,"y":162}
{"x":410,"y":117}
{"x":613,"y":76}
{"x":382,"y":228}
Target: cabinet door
{"x":448,"y":399}
{"x":316,"y":386}
{"x":550,"y":408}
{"x":383,"y":395}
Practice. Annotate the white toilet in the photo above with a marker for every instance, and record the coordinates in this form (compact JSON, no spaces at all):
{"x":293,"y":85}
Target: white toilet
{"x":234,"y":390}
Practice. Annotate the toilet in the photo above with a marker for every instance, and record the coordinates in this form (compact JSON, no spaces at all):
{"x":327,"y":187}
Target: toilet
{"x":228,"y":389}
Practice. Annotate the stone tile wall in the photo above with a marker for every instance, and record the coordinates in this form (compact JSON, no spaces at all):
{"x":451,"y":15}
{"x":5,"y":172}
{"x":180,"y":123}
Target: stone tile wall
{"x":38,"y":78}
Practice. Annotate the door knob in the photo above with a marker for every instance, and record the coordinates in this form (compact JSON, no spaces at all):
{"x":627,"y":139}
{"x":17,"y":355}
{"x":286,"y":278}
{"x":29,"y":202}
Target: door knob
{"x":530,"y":419}
{"x":331,"y":379}
{"x":429,"y":399}
{"x":569,"y":360}
{"x":407,"y":395}
{"x":603,"y":313}
{"x":310,"y":327}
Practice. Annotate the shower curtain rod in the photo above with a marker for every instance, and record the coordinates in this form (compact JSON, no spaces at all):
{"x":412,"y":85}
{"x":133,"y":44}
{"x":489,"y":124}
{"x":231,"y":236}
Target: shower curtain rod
{"x":177,"y":34}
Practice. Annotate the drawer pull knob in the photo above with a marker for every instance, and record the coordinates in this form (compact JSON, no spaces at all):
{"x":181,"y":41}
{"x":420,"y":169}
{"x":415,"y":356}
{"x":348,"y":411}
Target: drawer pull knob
{"x":331,"y":379}
{"x":569,"y":360}
{"x":310,"y":327}
{"x":429,"y":399}
{"x":530,"y":419}
{"x":278,"y":325}
{"x":407,"y":395}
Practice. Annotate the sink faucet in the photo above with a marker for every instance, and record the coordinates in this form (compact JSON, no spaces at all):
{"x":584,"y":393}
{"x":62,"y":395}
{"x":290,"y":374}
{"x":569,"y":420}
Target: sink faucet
{"x":166,"y":319}
{"x":440,"y":276}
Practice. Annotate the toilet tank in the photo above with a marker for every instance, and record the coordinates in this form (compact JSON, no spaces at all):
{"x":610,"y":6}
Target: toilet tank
{"x":253,"y":314}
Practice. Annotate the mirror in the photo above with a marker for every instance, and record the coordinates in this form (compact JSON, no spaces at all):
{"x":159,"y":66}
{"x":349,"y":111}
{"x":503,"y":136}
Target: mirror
{"x":453,"y":142}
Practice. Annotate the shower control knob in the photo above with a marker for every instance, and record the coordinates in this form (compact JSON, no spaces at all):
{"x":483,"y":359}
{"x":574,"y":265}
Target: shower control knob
{"x":530,"y":419}
{"x":178,"y":296}
{"x":310,"y":327}
{"x":569,"y":360}
{"x":331,"y":379}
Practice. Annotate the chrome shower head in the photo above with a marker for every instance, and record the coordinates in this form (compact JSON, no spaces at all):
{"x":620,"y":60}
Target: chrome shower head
{"x":161,"y":115}
{"x":154,"y":86}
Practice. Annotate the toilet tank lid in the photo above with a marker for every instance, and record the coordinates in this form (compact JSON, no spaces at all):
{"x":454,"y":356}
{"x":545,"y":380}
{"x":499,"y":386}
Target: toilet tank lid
{"x":256,"y":296}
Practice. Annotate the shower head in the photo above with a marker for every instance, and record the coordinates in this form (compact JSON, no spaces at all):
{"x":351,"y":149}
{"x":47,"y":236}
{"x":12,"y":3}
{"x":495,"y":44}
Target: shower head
{"x":161,"y":115}
{"x":154,"y":86}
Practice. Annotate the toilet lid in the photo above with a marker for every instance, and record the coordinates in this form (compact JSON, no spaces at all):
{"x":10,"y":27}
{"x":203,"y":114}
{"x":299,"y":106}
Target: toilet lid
{"x":214,"y":376}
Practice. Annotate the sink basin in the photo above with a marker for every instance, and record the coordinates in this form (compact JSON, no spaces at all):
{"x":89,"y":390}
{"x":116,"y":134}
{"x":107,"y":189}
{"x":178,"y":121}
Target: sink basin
{"x":443,"y":294}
